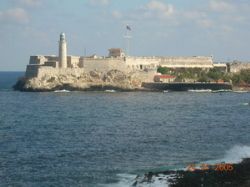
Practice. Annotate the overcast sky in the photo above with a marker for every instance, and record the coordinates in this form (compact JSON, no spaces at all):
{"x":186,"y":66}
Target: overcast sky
{"x":159,"y":28}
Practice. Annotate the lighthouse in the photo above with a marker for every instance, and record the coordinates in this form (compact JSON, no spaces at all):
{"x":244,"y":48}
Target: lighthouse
{"x":62,"y":51}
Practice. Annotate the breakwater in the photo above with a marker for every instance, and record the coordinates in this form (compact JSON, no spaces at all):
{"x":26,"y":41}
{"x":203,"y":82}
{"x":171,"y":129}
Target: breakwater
{"x":186,"y":86}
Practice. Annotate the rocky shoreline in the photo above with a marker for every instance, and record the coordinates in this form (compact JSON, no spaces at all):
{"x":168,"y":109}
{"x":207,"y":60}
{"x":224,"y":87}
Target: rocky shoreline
{"x":238,"y":176}
{"x":91,"y":81}
{"x":111,"y":80}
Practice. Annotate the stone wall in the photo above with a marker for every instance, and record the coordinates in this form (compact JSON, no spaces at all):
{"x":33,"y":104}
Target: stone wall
{"x":73,"y":61}
{"x":187,"y":62}
{"x":146,"y":76}
{"x":37,"y":60}
{"x":238,"y":66}
{"x":31,"y":71}
{"x":144,"y":65}
{"x":50,"y":71}
{"x":136,"y":63}
{"x":104,"y":64}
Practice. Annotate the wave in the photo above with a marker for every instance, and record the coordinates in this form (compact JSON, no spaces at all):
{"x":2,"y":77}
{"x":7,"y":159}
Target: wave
{"x":110,"y":91}
{"x":234,"y":155}
{"x":201,"y":90}
{"x":129,"y":180}
{"x":125,"y":180}
{"x":62,"y":91}
{"x":240,"y":91}
{"x":221,"y":91}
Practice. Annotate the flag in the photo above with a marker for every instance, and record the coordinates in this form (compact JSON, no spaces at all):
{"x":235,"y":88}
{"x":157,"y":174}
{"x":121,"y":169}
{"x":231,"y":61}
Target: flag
{"x":128,"y":28}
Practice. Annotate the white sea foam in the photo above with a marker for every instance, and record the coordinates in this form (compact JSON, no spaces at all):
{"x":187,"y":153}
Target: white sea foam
{"x":237,"y":153}
{"x":201,"y":90}
{"x":110,"y":91}
{"x":234,"y":155}
{"x":62,"y":91}
{"x":127,"y":180}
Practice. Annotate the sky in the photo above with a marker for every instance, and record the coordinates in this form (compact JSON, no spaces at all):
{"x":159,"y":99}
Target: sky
{"x":218,"y":28}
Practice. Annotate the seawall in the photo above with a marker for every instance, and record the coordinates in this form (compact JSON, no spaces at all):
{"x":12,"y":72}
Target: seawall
{"x":186,"y":86}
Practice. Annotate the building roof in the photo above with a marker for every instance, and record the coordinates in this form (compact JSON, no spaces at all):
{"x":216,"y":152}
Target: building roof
{"x":115,"y":49}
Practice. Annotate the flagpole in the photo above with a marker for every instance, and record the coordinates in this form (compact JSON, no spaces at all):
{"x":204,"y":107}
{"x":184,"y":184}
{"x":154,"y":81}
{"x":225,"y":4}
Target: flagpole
{"x":128,"y":43}
{"x":127,"y":39}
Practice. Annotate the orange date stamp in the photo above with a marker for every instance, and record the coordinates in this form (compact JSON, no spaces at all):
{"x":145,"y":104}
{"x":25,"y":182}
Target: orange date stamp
{"x":217,"y":167}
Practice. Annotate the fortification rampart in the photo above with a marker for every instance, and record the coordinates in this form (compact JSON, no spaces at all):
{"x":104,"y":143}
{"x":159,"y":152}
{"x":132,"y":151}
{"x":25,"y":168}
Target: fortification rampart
{"x":104,"y":64}
{"x":38,"y":64}
{"x":187,"y":62}
{"x":238,"y":66}
{"x":50,"y":71}
{"x":40,"y":71}
{"x":136,"y":63}
{"x":31,"y":71}
{"x":61,"y":63}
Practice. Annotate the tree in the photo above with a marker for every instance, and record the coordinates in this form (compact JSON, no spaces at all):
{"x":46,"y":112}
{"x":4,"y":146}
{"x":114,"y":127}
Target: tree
{"x":245,"y":75}
{"x":236,"y":79}
{"x":164,"y":70}
{"x":215,"y":74}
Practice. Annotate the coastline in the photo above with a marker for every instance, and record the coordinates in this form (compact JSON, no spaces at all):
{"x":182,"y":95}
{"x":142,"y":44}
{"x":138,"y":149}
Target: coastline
{"x":126,"y":84}
{"x":239,"y":176}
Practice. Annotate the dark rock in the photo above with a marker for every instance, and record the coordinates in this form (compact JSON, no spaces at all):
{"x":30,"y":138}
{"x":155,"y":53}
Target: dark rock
{"x":238,"y":177}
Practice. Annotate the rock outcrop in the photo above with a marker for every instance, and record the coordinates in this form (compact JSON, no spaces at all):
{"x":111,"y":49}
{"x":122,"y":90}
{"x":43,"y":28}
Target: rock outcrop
{"x":238,"y":175}
{"x":84,"y":81}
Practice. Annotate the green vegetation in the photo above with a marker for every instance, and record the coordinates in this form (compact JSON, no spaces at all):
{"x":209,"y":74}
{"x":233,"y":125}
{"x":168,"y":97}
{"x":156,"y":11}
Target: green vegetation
{"x":163,"y":70}
{"x":212,"y":75}
{"x":215,"y":74}
{"x":241,"y":78}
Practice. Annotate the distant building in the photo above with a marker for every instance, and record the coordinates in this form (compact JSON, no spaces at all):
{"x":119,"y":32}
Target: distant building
{"x":116,"y":52}
{"x":164,"y":78}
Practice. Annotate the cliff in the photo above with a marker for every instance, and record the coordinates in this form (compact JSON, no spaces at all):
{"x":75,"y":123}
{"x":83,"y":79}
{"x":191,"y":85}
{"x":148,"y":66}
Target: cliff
{"x":82,"y":81}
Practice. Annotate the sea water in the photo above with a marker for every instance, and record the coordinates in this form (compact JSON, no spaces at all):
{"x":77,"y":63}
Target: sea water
{"x":106,"y":139}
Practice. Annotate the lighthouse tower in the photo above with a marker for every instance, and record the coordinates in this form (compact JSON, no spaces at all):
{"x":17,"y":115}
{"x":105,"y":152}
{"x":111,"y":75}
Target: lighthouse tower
{"x":62,"y":51}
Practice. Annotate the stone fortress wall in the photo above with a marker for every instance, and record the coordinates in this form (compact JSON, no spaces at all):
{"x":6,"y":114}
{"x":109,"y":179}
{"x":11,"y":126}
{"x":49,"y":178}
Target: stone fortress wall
{"x":41,"y":65}
{"x":140,"y":63}
{"x":236,"y":67}
{"x":125,"y":64}
{"x":187,"y":62}
{"x":104,"y":64}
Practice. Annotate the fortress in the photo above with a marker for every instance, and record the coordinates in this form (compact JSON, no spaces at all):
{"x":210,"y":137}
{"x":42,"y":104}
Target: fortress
{"x":40,"y":66}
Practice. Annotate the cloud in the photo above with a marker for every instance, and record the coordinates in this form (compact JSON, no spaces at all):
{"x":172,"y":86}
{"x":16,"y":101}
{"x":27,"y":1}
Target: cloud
{"x":30,"y":3}
{"x":194,"y":14}
{"x":99,"y":2}
{"x":205,"y":23}
{"x":15,"y":15}
{"x":117,"y":14}
{"x":160,"y":9}
{"x":226,"y":29}
{"x":201,"y":18}
{"x":154,"y":9}
{"x":221,"y":6}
